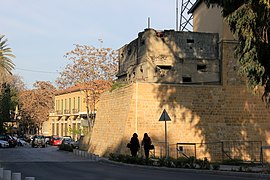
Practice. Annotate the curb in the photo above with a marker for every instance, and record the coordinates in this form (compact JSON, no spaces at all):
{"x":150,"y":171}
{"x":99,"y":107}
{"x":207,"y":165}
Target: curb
{"x":213,"y":172}
{"x":86,"y":155}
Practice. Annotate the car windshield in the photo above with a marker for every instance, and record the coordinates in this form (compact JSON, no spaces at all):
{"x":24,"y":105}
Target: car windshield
{"x":58,"y":138}
{"x":39,"y":137}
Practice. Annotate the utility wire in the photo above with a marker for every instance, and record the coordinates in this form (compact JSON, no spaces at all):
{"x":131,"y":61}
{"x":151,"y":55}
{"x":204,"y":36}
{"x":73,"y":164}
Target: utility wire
{"x":36,"y":71}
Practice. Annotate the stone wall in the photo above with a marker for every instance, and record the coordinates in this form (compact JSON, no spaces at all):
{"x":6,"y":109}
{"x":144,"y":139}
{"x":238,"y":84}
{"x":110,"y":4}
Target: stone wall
{"x":205,"y":114}
{"x":199,"y":114}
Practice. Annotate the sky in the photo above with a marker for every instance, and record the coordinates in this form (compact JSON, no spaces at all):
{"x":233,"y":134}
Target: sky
{"x":40,"y":32}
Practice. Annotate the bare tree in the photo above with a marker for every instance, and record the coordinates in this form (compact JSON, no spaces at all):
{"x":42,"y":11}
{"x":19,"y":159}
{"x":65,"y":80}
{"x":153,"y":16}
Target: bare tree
{"x":94,"y":70}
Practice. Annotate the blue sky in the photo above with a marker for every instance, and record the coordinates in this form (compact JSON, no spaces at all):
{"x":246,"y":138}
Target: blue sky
{"x":40,"y":32}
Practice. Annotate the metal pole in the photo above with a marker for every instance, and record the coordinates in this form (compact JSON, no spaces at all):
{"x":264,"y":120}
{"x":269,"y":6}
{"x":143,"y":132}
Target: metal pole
{"x":177,"y":14}
{"x":166,"y":143}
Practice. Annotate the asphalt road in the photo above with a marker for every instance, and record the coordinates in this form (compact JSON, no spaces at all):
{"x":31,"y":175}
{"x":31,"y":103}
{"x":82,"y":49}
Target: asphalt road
{"x":51,"y":164}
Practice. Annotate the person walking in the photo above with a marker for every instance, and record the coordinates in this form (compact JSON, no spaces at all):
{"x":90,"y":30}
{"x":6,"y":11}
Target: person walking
{"x":134,"y":145}
{"x":146,"y":143}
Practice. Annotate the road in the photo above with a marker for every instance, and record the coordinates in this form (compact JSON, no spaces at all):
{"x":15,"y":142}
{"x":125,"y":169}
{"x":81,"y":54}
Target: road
{"x":51,"y":164}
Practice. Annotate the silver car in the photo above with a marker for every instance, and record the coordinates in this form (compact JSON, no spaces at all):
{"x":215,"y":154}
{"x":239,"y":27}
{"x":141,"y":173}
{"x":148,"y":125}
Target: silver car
{"x":4,"y":144}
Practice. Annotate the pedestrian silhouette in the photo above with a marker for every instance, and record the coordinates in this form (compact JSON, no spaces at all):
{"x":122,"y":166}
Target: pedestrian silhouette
{"x":134,"y":145}
{"x":146,"y":143}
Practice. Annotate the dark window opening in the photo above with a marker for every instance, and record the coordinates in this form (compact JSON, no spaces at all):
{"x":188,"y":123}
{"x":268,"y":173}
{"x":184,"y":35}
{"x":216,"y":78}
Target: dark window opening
{"x":142,"y":42}
{"x":164,"y":67}
{"x":122,"y":76}
{"x":129,"y":52}
{"x":190,"y":40}
{"x":160,"y":34}
{"x":202,"y":67}
{"x":186,"y":79}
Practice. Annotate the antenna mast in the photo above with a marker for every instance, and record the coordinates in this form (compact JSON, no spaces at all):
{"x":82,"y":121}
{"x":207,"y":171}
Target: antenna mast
{"x":177,"y":14}
{"x":185,"y":18}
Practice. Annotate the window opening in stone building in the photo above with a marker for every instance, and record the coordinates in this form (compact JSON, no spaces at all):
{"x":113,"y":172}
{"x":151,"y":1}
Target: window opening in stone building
{"x":69,"y":105}
{"x":65,"y":110}
{"x":122,"y":76}
{"x":62,"y":129}
{"x":186,"y":79}
{"x":62,"y":106}
{"x":53,"y":128}
{"x":79,"y":104}
{"x":129,"y":52}
{"x":190,"y":40}
{"x":202,"y":67}
{"x":57,"y":129}
{"x":160,"y":34}
{"x":66,"y":129}
{"x":165,"y":67}
{"x":74,"y":105}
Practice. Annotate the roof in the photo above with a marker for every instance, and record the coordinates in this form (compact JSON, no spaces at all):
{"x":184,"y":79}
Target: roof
{"x":82,"y":87}
{"x":195,"y":5}
{"x":69,"y":90}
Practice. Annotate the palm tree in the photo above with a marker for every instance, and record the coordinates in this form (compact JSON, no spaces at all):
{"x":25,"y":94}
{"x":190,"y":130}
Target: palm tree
{"x":6,"y":64}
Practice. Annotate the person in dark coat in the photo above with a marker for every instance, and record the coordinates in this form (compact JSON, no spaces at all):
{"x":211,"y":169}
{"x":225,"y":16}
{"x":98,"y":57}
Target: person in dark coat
{"x":134,"y":145}
{"x":146,"y":143}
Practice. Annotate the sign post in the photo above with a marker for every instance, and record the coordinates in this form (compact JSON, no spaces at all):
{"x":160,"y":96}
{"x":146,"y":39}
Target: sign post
{"x":165,"y":117}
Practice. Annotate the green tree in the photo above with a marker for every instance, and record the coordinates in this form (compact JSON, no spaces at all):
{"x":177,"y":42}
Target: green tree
{"x":6,"y":64}
{"x":9,"y":98}
{"x":249,"y":21}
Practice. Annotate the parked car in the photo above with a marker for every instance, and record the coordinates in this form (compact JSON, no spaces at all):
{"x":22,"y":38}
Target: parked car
{"x":4,"y":144}
{"x":70,"y":142}
{"x":20,"y":141}
{"x":56,"y":141}
{"x":38,"y":141}
{"x":66,"y":137}
{"x":28,"y":138}
{"x":11,"y":141}
{"x":48,"y":139}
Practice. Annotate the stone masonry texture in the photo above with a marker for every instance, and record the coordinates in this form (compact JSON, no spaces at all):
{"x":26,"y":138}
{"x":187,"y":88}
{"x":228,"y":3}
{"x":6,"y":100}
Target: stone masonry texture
{"x":225,"y":116}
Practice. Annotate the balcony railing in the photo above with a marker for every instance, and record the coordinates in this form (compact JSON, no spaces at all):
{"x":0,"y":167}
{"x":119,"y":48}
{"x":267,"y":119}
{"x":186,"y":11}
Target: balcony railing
{"x":75,"y":111}
{"x":59,"y":112}
{"x":66,"y":111}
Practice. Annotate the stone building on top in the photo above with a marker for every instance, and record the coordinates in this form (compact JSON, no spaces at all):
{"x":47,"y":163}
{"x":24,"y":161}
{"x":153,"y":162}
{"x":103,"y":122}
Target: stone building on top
{"x":171,"y":57}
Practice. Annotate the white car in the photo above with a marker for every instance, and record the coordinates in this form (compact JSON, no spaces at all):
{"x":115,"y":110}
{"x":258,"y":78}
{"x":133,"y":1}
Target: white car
{"x":3,"y":144}
{"x":20,"y":142}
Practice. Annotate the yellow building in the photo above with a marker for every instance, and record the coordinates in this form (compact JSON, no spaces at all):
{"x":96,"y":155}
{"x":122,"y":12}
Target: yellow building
{"x":69,"y":117}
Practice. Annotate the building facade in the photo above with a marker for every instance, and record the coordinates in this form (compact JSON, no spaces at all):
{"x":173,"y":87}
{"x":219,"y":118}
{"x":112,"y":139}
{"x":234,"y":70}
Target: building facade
{"x":193,"y":75}
{"x":69,"y":116}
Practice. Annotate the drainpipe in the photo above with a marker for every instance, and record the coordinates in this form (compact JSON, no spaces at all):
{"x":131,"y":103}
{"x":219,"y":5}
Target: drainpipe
{"x":136,"y":109}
